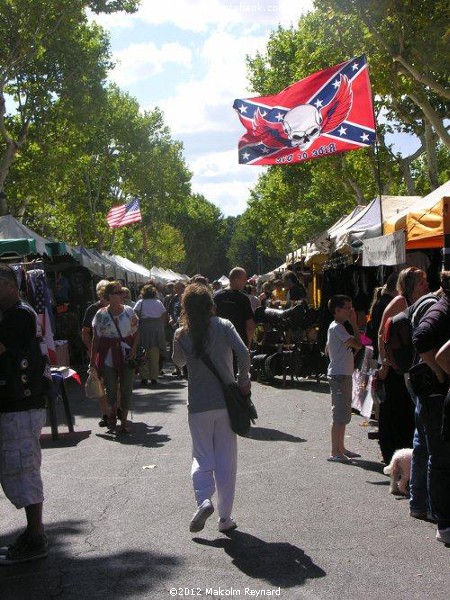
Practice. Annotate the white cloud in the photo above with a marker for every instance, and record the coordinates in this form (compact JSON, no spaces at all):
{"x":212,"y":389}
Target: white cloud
{"x":138,"y":62}
{"x":206,"y":104}
{"x":220,"y":178}
{"x":200,"y":112}
{"x":199,"y":15}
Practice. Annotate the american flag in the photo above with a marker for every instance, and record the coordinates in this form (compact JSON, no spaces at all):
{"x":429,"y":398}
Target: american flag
{"x":327,"y":112}
{"x":125,"y":214}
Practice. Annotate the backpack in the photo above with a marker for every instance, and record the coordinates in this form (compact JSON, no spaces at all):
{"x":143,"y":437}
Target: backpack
{"x":397,"y":334}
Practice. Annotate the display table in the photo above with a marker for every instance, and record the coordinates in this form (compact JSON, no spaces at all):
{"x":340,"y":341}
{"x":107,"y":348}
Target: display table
{"x":59,"y":375}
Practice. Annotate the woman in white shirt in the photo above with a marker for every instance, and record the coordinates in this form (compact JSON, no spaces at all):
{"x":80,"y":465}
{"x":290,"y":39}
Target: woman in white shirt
{"x":152,"y":319}
{"x":115,"y":338}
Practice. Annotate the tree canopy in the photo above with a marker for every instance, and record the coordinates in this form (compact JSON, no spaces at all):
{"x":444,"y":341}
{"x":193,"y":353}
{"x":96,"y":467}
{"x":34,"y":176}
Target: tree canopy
{"x":73,"y":145}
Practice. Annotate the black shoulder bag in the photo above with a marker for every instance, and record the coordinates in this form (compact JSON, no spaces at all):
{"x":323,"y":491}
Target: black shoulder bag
{"x":241,"y":410}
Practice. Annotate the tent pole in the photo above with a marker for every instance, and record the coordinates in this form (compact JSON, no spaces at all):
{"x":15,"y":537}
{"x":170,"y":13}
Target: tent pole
{"x":446,"y":240}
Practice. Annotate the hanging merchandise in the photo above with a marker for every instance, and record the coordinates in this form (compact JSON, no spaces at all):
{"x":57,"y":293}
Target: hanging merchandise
{"x":39,"y":298}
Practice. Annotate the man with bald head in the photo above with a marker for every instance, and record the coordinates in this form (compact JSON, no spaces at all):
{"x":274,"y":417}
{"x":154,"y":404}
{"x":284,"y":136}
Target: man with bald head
{"x":234,"y":305}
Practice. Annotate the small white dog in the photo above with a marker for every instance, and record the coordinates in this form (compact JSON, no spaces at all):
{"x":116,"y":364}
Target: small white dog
{"x":399,"y":470}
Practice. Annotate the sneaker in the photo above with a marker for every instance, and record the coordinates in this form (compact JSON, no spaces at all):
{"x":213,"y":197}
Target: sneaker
{"x":19,"y":540}
{"x":227,"y":524}
{"x":104,"y":421}
{"x":204,"y":511}
{"x":341,"y":458}
{"x":416,"y":513}
{"x":25,"y":549}
{"x":443,"y":535}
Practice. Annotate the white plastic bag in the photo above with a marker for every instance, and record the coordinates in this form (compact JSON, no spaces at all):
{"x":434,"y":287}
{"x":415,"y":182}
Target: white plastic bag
{"x":93,"y":387}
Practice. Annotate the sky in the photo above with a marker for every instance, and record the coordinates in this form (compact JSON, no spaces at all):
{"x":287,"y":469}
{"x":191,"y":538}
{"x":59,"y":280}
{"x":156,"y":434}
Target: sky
{"x":188,"y":58}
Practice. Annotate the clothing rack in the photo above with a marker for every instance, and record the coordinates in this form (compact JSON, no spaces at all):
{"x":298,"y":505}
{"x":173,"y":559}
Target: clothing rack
{"x":338,"y":262}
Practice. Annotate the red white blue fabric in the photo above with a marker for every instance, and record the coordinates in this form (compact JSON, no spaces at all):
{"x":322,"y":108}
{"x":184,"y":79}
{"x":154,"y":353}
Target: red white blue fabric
{"x":125,"y":214}
{"x":328,"y":112}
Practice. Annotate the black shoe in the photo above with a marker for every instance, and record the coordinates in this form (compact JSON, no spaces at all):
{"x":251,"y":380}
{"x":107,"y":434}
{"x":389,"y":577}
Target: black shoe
{"x":144,"y":382}
{"x":25,"y":549}
{"x":104,"y":421}
{"x":153,"y":381}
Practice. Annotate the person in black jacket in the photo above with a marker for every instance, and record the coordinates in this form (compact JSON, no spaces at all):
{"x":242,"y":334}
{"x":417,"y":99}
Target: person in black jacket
{"x":24,"y":379}
{"x":429,"y":336}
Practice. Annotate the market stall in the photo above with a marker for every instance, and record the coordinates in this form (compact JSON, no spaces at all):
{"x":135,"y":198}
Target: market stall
{"x":422,"y":220}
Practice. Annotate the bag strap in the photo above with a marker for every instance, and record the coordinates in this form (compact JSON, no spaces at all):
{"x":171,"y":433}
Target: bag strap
{"x":115,"y":323}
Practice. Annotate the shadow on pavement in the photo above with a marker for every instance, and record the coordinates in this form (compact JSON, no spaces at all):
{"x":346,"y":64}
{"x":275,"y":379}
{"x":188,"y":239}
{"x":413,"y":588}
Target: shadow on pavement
{"x":272,"y":435}
{"x":65,"y":439}
{"x":71,"y":572}
{"x":305,"y":385}
{"x":279,"y":563}
{"x":140,"y":434}
{"x":367,"y":465}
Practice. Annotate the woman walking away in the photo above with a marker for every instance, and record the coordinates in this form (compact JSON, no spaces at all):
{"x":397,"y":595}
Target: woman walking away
{"x":152,"y":320}
{"x":115,"y":338}
{"x":214,"y":445}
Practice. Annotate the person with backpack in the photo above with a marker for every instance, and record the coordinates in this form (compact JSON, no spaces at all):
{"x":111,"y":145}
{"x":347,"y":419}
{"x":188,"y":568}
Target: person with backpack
{"x":432,"y":333}
{"x":396,"y":418}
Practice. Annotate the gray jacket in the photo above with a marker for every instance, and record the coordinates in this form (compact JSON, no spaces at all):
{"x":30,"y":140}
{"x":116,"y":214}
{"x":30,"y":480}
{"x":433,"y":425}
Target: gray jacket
{"x":204,"y":390}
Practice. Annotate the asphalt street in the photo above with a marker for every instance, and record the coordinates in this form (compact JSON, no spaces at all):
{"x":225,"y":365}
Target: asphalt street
{"x":117,"y":511}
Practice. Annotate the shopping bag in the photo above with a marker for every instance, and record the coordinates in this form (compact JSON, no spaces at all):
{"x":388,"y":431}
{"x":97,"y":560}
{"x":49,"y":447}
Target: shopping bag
{"x":93,"y":387}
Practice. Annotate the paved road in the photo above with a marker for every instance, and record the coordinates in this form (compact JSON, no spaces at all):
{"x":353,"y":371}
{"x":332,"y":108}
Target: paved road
{"x":307,"y":528}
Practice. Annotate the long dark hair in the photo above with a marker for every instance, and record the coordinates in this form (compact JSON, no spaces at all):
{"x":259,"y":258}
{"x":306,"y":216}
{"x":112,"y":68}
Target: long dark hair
{"x":196,"y":312}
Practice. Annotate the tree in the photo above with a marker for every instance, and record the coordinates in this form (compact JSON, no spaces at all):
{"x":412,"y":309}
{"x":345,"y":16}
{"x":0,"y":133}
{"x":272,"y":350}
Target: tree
{"x":47,"y":52}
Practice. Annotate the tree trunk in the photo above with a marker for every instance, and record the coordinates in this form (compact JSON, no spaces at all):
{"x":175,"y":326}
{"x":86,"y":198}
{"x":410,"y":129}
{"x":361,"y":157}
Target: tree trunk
{"x":423,"y":79}
{"x":430,"y":144}
{"x":5,"y":164}
{"x":432,"y":116}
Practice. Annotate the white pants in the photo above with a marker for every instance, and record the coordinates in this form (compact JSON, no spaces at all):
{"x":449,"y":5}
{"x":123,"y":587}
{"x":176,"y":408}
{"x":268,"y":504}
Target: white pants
{"x":214,"y":458}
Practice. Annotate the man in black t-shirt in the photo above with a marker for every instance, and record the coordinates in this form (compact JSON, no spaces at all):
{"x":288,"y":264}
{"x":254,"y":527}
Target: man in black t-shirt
{"x":86,"y":336}
{"x":232,"y":304}
{"x":24,"y":378}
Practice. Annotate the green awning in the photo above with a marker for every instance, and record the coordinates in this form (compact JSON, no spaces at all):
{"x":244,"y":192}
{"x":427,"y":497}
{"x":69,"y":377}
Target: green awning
{"x":56,"y":248}
{"x":17,"y":247}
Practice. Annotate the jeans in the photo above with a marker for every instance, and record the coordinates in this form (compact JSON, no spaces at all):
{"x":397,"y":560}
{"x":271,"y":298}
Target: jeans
{"x":430,"y":414}
{"x":418,"y":485}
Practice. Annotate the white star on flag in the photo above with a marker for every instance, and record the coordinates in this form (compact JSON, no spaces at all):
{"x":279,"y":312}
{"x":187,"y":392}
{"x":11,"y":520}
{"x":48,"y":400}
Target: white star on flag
{"x":364,"y":137}
{"x":342,"y":131}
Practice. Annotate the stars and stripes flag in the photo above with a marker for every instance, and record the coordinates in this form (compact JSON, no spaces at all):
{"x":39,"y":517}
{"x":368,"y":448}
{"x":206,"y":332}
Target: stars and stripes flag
{"x":328,"y":112}
{"x":125,"y":214}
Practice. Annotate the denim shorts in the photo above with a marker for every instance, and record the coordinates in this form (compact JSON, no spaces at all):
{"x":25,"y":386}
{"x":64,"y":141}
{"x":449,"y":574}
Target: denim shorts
{"x":341,"y":398}
{"x":20,"y":456}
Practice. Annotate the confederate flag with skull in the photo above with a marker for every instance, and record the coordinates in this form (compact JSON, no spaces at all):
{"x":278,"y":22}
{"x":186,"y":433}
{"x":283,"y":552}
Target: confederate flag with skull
{"x":328,"y":112}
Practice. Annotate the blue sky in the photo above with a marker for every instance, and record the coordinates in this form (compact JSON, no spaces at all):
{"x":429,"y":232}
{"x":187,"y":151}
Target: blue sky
{"x":188,"y":58}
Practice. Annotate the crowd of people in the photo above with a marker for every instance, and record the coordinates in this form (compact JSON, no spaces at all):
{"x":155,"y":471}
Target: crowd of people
{"x":407,"y":419}
{"x":199,"y":323}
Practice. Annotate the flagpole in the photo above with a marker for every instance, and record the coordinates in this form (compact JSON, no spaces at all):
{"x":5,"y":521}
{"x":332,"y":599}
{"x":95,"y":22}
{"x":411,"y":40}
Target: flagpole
{"x":377,"y":156}
{"x":113,"y":240}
